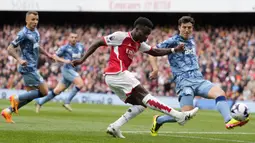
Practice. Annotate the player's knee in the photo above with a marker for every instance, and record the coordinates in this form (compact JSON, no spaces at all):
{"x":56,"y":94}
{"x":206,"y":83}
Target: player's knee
{"x":80,"y":86}
{"x":187,"y":108}
{"x":44,"y":92}
{"x":57,"y":91}
{"x":220,"y":93}
{"x":216,"y":92}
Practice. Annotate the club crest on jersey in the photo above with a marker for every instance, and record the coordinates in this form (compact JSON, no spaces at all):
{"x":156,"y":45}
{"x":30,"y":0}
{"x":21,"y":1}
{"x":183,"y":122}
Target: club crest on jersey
{"x":130,"y":53}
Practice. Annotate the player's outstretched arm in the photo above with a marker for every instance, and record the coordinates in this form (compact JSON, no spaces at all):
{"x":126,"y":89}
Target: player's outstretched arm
{"x":45,"y":53}
{"x":92,"y":48}
{"x":153,"y":62}
{"x":12,"y":51}
{"x":59,"y":59}
{"x":161,"y":52}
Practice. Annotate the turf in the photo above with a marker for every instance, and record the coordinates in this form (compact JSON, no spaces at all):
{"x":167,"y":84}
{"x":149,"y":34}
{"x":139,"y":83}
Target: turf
{"x":88,"y":122}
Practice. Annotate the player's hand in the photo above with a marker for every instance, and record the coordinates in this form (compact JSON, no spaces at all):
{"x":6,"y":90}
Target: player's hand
{"x":76,"y":62}
{"x":51,"y":57}
{"x":153,"y":74}
{"x":179,"y":48}
{"x":68,"y":62}
{"x":22,"y":62}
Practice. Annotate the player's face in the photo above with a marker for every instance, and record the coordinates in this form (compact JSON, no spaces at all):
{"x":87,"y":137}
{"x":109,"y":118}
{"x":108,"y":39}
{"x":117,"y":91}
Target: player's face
{"x":73,"y":38}
{"x":142,"y":33}
{"x":186,"y":29}
{"x":32,"y":21}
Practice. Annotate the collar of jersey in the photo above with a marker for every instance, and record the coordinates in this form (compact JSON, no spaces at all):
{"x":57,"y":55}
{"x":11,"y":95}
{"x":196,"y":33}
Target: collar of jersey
{"x":29,"y":29}
{"x":129,"y":34}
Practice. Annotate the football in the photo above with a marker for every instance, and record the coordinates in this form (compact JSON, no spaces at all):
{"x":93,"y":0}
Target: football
{"x":240,"y":112}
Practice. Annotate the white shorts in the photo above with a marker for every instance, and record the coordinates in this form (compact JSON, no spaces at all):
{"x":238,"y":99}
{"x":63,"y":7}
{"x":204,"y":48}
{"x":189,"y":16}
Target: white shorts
{"x":122,"y":84}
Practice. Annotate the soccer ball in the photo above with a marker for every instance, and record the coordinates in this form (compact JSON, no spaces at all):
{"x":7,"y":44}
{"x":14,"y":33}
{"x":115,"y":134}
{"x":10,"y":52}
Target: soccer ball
{"x":240,"y":112}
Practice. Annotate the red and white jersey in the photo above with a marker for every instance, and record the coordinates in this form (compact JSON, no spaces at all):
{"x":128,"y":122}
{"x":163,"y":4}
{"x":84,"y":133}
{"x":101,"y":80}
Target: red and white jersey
{"x":123,"y":48}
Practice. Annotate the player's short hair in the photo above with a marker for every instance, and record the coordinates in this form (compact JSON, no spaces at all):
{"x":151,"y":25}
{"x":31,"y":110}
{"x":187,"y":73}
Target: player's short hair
{"x":72,"y":32}
{"x":144,"y":22}
{"x":31,"y":12}
{"x":186,"y":19}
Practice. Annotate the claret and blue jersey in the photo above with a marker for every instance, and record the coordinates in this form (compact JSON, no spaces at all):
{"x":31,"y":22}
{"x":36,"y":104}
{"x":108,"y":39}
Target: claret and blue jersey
{"x":29,"y":44}
{"x":184,"y":61}
{"x":185,"y":68}
{"x":69,"y":52}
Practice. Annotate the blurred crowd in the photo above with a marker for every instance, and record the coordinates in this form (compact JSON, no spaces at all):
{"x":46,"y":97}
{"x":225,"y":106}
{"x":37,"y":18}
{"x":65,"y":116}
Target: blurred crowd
{"x":226,"y":57}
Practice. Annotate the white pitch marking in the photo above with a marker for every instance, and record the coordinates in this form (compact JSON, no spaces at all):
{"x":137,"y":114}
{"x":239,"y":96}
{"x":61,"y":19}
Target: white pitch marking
{"x":190,"y":132}
{"x":202,"y":138}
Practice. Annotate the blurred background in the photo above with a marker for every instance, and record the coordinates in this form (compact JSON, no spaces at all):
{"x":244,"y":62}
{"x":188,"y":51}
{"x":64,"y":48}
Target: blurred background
{"x":224,"y":33}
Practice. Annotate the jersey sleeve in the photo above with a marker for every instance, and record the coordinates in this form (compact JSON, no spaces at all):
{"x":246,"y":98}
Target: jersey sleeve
{"x":114,"y":39}
{"x":60,"y":51}
{"x":19,"y":38}
{"x":144,"y":47}
{"x":169,"y":43}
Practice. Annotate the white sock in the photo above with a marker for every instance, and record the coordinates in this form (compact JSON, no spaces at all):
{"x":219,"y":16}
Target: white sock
{"x":132,"y":112}
{"x":156,"y":104}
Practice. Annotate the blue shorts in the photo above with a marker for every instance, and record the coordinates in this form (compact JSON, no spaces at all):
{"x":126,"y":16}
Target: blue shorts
{"x":68,"y":76}
{"x":32,"y":78}
{"x":190,"y":87}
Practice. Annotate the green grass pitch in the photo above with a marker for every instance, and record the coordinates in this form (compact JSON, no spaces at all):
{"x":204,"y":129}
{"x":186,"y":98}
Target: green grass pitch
{"x":88,"y":122}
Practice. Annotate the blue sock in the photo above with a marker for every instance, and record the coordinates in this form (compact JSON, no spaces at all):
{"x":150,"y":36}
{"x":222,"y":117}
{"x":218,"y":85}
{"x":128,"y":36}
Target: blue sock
{"x":165,"y":119}
{"x":223,"y":108}
{"x":47,"y":98}
{"x":30,"y":95}
{"x":21,"y":104}
{"x":72,"y":94}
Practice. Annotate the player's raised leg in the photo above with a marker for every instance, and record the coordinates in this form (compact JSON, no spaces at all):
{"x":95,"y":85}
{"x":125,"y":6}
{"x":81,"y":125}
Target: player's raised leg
{"x":138,"y":95}
{"x":155,"y":104}
{"x":222,"y":106}
{"x":78,"y":82}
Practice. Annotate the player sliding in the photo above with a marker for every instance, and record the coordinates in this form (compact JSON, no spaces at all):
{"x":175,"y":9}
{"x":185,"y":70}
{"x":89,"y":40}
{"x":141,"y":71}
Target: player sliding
{"x":71,"y":51}
{"x":123,"y":47}
{"x":189,"y":80}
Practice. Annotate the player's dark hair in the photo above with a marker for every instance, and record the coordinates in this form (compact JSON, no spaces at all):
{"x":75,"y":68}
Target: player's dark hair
{"x":73,"y":31}
{"x":31,"y":12}
{"x":186,"y":19}
{"x":144,"y":22}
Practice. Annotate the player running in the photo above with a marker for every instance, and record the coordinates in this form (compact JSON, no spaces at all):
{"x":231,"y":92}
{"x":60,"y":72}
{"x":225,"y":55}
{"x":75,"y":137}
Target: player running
{"x":69,"y":52}
{"x":28,"y":39}
{"x":123,"y":47}
{"x":189,"y":80}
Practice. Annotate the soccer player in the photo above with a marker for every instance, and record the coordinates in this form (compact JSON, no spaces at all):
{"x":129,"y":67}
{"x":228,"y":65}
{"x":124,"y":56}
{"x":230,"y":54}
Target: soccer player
{"x":73,"y":50}
{"x":28,"y":39}
{"x":188,"y":78}
{"x":123,"y":47}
